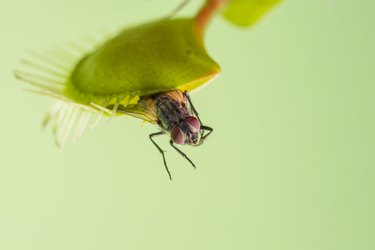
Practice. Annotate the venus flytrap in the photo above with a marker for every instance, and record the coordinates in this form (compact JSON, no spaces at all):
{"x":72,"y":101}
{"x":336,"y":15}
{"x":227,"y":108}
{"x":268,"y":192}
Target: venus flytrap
{"x":146,"y":72}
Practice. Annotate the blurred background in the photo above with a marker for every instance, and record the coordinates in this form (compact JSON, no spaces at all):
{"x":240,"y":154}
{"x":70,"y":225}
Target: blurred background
{"x":290,"y":165}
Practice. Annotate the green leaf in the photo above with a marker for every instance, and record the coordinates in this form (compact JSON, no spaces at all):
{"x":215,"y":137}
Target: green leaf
{"x":151,"y":58}
{"x":245,"y":13}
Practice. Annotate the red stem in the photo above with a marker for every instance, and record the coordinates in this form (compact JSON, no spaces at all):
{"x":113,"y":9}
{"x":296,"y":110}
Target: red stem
{"x":205,"y":14}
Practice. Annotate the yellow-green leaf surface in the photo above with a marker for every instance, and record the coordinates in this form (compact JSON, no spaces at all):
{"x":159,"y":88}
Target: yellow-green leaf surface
{"x":246,"y":12}
{"x":151,"y":58}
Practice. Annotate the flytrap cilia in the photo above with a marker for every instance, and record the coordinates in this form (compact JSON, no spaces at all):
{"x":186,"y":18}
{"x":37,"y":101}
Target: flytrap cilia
{"x":146,"y":72}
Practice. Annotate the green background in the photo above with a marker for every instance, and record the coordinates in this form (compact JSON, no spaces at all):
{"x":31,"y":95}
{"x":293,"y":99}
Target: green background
{"x":290,"y":165}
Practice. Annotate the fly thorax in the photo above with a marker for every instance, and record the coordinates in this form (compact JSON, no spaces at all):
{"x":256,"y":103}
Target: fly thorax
{"x":170,"y":112}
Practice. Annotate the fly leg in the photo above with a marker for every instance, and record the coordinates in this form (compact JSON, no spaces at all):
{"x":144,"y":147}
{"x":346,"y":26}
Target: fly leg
{"x":186,"y":94}
{"x":203,"y":127}
{"x":204,"y":136}
{"x":182,"y":153}
{"x":161,"y":151}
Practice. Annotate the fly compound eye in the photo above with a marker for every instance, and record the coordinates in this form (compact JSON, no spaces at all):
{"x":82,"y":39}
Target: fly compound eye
{"x":177,"y":135}
{"x":193,"y":122}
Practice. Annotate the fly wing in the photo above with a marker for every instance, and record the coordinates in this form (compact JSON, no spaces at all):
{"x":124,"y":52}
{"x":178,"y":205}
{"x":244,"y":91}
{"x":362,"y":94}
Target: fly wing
{"x":142,"y":110}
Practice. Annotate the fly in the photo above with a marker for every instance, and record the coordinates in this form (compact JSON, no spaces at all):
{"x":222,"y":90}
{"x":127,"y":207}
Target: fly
{"x":174,"y":113}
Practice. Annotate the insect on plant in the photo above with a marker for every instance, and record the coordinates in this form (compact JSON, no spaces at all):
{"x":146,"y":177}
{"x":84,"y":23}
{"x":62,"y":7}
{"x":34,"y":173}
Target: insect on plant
{"x":146,"y":72}
{"x":174,"y":112}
